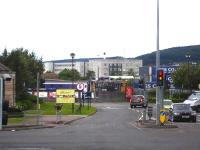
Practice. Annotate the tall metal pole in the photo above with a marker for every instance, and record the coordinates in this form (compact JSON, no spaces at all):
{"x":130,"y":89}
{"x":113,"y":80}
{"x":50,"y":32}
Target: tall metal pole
{"x":1,"y":102}
{"x":72,"y":55}
{"x":188,"y":65}
{"x":38,"y":98}
{"x":157,"y":67}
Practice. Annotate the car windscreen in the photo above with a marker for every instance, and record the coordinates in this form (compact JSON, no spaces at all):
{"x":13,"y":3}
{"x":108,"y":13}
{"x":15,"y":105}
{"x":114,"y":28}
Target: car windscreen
{"x":167,"y":102}
{"x":181,"y":107}
{"x":194,"y":96}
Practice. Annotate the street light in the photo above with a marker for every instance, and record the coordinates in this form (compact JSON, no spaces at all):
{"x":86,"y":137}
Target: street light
{"x":72,"y":55}
{"x":188,"y":56}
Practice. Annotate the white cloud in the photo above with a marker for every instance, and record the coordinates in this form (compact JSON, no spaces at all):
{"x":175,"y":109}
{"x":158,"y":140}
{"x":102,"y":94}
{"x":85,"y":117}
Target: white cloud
{"x":55,"y":28}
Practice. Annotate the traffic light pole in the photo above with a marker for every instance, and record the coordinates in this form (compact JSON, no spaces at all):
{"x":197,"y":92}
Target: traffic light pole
{"x":157,"y":67}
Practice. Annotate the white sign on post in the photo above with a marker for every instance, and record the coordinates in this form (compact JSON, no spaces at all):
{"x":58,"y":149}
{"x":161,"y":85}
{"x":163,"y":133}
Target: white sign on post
{"x":80,"y":86}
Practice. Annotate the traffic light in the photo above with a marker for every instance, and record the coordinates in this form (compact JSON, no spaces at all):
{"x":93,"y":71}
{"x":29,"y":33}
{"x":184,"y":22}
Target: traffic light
{"x":160,"y":77}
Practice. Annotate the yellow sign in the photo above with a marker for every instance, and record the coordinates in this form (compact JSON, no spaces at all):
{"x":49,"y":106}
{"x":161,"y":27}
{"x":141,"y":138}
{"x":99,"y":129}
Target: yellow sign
{"x":65,"y":96}
{"x":199,"y":86}
{"x":162,"y":116}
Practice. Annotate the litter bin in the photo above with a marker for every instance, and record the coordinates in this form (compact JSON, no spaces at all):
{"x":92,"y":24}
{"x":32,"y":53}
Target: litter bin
{"x":5,"y":113}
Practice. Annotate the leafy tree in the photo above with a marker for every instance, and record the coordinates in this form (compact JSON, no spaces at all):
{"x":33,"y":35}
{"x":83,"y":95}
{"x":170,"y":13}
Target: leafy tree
{"x":131,"y":72}
{"x":90,"y":74}
{"x":69,"y":74}
{"x":26,"y":65}
{"x":187,"y":78}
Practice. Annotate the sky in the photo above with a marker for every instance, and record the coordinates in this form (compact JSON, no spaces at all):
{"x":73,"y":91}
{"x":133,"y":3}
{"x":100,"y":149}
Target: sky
{"x":53,"y":29}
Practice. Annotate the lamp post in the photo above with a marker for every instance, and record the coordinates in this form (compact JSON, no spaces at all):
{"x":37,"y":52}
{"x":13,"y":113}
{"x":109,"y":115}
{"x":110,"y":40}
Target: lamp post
{"x":188,"y":56}
{"x":72,"y":56}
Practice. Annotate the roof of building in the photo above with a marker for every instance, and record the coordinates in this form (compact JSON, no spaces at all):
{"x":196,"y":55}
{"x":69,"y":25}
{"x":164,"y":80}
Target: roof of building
{"x":86,"y":59}
{"x":3,"y":68}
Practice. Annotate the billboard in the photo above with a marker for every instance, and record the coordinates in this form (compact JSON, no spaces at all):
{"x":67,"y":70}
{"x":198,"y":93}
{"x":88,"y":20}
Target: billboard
{"x":65,"y":96}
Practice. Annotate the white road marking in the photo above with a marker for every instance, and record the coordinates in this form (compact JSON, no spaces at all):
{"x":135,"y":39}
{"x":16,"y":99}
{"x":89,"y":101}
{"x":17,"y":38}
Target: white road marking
{"x":111,"y":108}
{"x":135,"y":126}
{"x":29,"y":148}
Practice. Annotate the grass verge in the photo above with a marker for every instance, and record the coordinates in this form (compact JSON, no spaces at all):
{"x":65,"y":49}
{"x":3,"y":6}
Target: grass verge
{"x":48,"y":108}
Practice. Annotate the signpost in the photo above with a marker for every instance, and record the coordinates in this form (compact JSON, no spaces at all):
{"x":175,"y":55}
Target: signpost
{"x":65,"y":96}
{"x":80,"y":87}
{"x":88,"y":96}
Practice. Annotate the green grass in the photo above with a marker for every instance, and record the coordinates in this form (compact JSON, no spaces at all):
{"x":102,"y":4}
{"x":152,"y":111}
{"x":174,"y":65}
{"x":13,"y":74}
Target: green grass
{"x":48,"y":108}
{"x":15,"y":120}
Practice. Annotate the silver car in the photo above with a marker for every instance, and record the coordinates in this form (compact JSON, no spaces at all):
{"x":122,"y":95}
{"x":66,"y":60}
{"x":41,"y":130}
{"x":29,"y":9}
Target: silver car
{"x":194,"y":101}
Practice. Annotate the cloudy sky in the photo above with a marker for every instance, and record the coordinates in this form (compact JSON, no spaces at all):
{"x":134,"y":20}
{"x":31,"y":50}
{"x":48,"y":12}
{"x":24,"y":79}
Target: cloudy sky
{"x":55,"y":28}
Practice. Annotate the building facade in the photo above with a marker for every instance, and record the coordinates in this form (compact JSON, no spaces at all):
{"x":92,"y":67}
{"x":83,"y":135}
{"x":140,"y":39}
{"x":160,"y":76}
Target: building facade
{"x":81,"y":65}
{"x":115,"y":66}
{"x":8,"y":77}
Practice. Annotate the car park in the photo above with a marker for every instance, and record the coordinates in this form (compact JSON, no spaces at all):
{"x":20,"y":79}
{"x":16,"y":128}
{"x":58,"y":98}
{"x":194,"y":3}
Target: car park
{"x":181,"y":112}
{"x":194,"y":101}
{"x":138,"y":100}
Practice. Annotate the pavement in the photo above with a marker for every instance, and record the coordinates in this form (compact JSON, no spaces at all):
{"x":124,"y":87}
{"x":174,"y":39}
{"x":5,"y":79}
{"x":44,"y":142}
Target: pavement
{"x":45,"y":121}
{"x":152,"y":124}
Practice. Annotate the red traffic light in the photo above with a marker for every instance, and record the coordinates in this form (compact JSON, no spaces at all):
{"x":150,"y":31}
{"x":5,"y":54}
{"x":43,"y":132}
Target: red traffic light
{"x":160,"y":77}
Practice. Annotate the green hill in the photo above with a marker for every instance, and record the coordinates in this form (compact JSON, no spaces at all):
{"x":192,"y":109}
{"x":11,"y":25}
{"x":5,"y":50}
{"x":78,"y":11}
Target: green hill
{"x":172,"y":55}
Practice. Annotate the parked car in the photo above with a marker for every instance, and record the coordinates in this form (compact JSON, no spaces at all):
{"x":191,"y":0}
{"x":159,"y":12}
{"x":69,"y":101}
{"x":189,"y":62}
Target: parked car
{"x":138,"y":100}
{"x":194,"y":101}
{"x":181,"y":111}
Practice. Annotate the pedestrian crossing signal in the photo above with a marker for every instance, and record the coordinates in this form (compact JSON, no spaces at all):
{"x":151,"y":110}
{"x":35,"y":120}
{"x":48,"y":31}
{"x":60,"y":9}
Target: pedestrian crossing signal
{"x":160,"y":77}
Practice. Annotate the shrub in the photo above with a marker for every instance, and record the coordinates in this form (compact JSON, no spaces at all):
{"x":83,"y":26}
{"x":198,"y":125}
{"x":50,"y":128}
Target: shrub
{"x":15,"y":112}
{"x":26,"y":102}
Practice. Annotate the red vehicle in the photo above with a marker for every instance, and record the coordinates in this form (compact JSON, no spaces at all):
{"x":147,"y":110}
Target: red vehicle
{"x":138,"y":100}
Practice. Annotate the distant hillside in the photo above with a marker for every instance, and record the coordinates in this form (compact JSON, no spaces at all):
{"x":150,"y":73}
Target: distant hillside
{"x":172,"y":55}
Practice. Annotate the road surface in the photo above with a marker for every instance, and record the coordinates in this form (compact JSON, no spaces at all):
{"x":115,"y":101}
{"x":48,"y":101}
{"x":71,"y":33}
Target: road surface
{"x":113,"y":127}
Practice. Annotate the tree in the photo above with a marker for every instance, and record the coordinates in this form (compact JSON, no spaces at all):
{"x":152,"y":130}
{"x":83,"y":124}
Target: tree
{"x":26,"y":65}
{"x":90,"y":75}
{"x":69,"y":74}
{"x":186,"y":76}
{"x":131,"y":72}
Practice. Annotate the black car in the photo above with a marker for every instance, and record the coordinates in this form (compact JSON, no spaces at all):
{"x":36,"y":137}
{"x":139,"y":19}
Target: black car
{"x":181,"y":111}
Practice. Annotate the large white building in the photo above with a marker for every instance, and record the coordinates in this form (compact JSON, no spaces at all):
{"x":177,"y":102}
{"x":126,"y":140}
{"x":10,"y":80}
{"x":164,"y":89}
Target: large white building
{"x":115,"y":66}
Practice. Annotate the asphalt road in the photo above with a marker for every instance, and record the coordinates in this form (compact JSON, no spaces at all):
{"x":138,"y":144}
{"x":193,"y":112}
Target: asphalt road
{"x":113,"y":127}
